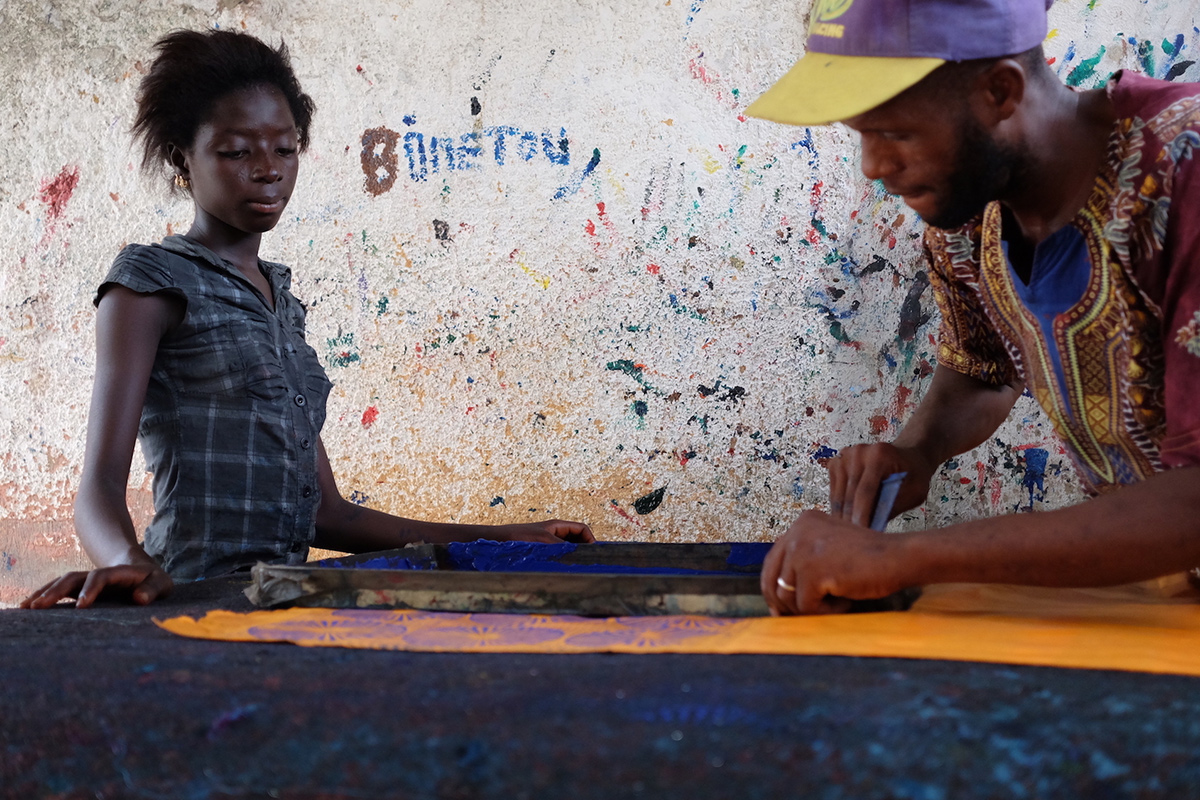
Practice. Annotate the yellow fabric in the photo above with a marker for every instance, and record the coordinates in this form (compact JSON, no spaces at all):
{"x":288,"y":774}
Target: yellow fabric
{"x":823,"y":88}
{"x":1145,"y":627}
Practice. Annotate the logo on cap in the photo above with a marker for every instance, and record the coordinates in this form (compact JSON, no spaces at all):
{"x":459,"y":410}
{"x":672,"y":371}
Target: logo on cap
{"x":823,"y":12}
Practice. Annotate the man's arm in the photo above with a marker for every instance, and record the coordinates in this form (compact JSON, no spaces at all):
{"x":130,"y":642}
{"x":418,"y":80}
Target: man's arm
{"x":1142,"y":531}
{"x":956,"y":414}
{"x":344,"y":526}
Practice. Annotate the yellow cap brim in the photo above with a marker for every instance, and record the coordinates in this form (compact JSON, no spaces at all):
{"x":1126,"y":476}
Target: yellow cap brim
{"x":823,"y":88}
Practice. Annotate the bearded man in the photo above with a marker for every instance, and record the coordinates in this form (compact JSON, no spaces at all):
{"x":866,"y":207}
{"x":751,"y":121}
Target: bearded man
{"x":1063,"y":240}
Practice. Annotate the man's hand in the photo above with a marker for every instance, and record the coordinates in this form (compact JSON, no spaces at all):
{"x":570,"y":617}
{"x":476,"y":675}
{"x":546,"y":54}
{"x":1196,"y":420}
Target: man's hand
{"x":552,"y":532}
{"x":825,"y":562}
{"x":142,"y":583}
{"x":856,"y":472}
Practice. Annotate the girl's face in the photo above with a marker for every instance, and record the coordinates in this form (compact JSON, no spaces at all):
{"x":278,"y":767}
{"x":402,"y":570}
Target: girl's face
{"x":243,"y":162}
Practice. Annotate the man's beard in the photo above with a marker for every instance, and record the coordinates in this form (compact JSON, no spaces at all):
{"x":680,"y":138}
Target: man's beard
{"x":983,"y":169}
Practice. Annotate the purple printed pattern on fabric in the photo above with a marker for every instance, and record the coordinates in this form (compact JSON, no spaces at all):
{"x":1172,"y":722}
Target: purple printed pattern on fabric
{"x":649,"y":632}
{"x":347,"y":626}
{"x":499,"y":630}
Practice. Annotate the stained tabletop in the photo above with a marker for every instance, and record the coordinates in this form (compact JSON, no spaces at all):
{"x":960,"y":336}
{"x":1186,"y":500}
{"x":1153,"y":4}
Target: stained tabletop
{"x":102,"y":703}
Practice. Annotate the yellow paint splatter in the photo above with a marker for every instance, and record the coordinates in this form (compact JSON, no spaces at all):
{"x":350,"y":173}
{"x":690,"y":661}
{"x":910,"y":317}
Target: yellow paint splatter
{"x":404,"y":255}
{"x":538,"y":278}
{"x":711,"y":165}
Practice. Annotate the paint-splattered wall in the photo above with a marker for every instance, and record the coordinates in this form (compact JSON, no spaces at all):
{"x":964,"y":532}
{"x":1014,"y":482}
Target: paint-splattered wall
{"x":551,"y":267}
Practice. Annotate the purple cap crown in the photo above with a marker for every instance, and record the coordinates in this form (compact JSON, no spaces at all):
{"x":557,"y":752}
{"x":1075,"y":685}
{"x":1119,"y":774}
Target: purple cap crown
{"x":952,"y":30}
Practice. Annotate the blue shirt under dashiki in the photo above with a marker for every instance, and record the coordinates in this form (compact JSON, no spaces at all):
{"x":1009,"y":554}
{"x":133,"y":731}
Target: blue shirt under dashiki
{"x":232,"y":416}
{"x":1106,"y":332}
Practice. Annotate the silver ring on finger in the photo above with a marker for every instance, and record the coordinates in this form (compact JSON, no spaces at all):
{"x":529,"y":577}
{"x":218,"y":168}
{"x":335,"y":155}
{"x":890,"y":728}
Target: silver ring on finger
{"x":782,"y":584}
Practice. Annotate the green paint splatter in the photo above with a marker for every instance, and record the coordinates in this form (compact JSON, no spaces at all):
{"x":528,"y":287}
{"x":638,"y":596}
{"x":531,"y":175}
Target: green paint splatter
{"x":367,"y":246}
{"x":342,"y":350}
{"x":838,"y":332}
{"x":629,"y":368}
{"x":1085,"y":70}
{"x":381,"y":307}
{"x":1146,"y":56}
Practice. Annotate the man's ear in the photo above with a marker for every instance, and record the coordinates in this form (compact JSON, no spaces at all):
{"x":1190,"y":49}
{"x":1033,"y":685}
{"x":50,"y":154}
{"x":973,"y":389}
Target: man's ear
{"x":999,"y":90}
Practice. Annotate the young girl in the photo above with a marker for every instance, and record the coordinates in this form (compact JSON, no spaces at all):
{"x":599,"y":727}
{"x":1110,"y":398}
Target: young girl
{"x":200,"y":353}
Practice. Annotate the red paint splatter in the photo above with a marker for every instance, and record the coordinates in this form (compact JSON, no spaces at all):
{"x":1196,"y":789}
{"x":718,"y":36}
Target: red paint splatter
{"x":623,"y":513}
{"x":590,"y":228}
{"x":605,"y":220}
{"x":358,"y":68}
{"x":369,"y":416}
{"x":901,"y":403}
{"x":816,"y":191}
{"x":645,"y":213}
{"x":813,"y":237}
{"x":964,"y":480}
{"x":981,"y":471}
{"x":996,"y":491}
{"x":699,"y":72}
{"x":741,"y":117}
{"x":56,"y":191}
{"x":879,"y":424}
{"x":653,"y":269}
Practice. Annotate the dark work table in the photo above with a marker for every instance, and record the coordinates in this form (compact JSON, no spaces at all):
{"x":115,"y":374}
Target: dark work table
{"x":104,"y":704}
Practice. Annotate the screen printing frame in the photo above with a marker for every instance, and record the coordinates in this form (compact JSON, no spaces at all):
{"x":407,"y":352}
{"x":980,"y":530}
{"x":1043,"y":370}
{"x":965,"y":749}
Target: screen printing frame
{"x":718,"y":583}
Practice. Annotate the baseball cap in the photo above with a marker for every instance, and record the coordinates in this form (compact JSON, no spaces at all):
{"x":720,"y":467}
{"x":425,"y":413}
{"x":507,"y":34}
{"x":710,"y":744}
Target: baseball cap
{"x":861,"y":53}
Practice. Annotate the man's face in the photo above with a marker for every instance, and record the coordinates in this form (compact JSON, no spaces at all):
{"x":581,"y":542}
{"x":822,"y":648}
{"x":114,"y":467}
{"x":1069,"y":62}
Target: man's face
{"x":930,"y":151}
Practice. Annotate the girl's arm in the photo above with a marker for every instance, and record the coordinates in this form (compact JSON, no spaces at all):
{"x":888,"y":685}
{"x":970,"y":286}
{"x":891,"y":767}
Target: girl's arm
{"x":350,"y":528}
{"x":129,"y":327}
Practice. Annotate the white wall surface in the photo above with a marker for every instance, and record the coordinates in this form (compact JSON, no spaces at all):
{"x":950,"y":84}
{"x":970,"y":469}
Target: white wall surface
{"x":643,"y":290}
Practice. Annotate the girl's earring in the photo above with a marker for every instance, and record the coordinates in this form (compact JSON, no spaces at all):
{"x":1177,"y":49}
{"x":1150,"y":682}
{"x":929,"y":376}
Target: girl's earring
{"x":182,"y":182}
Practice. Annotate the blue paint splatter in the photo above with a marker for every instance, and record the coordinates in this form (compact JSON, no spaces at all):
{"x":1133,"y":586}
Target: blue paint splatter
{"x":823,"y":452}
{"x":573,"y":186}
{"x":409,"y":119}
{"x":807,"y":144}
{"x":1035,"y":473}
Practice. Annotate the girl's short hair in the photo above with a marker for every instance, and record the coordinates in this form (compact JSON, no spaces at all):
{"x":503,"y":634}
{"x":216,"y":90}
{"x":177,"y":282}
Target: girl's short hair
{"x":193,"y":70}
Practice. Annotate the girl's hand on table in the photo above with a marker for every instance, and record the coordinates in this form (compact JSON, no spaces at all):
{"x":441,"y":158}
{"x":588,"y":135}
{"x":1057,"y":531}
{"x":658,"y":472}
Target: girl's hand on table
{"x":141,"y":583}
{"x":552,"y":532}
